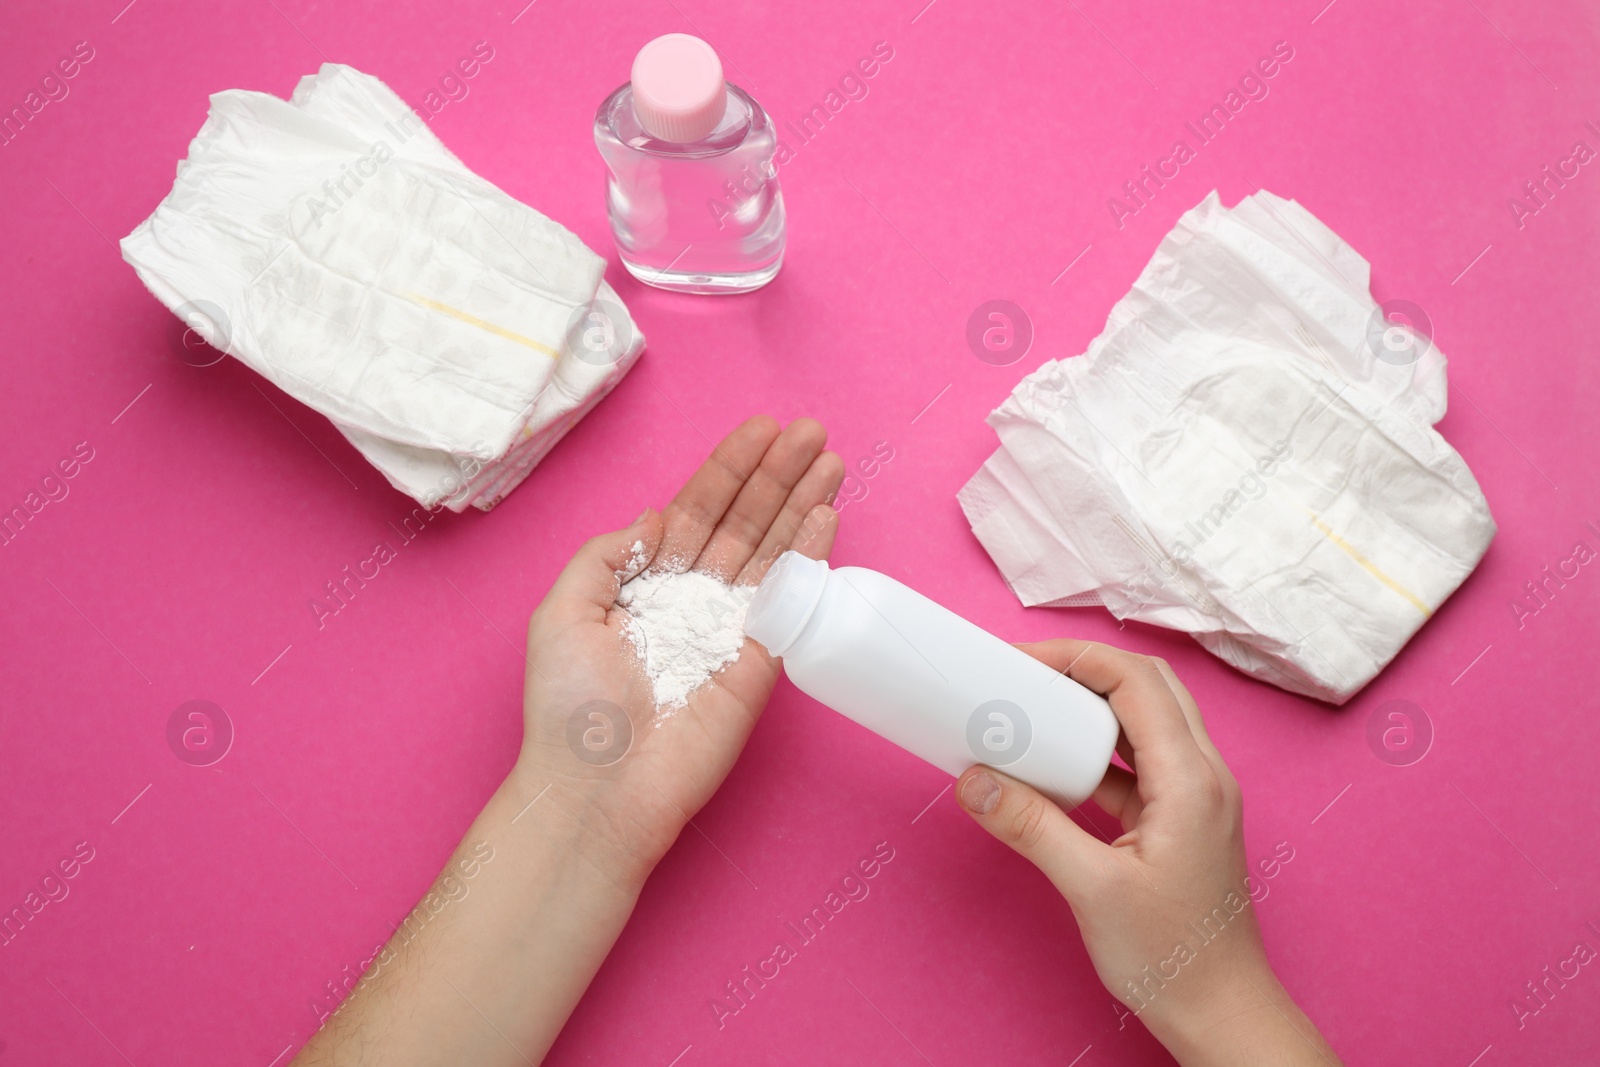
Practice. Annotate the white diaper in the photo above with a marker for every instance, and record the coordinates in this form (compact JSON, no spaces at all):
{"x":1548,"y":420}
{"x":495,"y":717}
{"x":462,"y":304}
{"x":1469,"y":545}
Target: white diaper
{"x":354,"y":261}
{"x":1246,"y":454}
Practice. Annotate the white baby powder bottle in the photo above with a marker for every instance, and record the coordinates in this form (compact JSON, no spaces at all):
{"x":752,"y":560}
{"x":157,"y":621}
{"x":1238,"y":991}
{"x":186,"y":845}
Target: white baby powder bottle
{"x":930,"y":681}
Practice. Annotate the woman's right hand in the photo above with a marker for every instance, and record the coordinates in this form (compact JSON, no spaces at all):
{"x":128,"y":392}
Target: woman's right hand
{"x":1164,"y":909}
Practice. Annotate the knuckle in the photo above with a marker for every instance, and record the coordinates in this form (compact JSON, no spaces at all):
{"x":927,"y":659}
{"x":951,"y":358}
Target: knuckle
{"x":1200,"y":790}
{"x":1143,"y":664}
{"x":1026,"y":826}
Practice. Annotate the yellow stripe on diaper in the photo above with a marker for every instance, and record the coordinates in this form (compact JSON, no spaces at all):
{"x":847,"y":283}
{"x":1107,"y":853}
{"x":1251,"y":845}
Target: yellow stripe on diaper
{"x":1369,"y":566}
{"x":473,"y":320}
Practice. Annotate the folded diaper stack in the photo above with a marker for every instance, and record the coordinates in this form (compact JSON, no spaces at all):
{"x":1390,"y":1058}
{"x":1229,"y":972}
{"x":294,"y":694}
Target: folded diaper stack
{"x":1245,"y":453}
{"x":333,"y":244}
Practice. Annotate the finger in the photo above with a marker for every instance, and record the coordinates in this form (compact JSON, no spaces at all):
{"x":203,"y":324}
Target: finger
{"x":587,"y":586}
{"x":814,"y":540}
{"x":1025,"y":819}
{"x":817,"y":532}
{"x":748,"y":519}
{"x":1118,"y":796}
{"x":705,"y":498}
{"x":816,"y":489}
{"x":1163,"y":745}
{"x":1123,"y":747}
{"x":1125,"y":750}
{"x":1186,"y":702}
{"x":1191,"y":712}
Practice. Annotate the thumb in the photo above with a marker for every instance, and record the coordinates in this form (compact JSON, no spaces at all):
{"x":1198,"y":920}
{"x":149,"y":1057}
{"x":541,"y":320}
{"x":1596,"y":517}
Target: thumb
{"x":1032,"y":824}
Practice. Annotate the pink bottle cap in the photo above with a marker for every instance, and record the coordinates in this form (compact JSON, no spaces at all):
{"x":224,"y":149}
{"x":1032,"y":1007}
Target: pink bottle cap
{"x":678,"y":90}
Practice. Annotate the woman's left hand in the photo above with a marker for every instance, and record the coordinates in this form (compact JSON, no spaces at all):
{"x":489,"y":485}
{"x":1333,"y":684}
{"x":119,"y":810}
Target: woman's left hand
{"x":760,"y":492}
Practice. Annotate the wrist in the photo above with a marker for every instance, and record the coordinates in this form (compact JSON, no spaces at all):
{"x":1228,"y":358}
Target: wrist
{"x":1244,"y":1017}
{"x":619,"y":835}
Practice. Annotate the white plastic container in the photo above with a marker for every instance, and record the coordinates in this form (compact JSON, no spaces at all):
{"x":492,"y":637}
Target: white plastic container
{"x":928,"y":680}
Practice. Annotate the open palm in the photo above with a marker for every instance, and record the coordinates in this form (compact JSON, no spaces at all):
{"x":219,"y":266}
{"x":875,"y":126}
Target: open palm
{"x":591,"y":720}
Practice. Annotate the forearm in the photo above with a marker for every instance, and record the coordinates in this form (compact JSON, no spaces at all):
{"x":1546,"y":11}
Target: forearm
{"x":1247,"y":1021}
{"x":491,"y":976}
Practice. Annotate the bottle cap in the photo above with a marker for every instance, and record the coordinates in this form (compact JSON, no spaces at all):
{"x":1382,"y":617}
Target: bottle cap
{"x":678,"y":90}
{"x":785,"y":600}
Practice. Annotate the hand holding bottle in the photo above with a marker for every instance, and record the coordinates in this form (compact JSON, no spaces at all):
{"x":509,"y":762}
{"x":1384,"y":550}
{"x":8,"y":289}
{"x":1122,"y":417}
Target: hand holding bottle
{"x":1163,"y":909}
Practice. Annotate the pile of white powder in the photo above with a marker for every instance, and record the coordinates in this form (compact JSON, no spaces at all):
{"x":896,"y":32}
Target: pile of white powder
{"x":684,"y":627}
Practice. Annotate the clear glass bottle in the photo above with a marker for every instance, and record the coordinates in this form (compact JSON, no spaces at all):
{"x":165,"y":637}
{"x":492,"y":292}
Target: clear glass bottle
{"x":693,"y":192}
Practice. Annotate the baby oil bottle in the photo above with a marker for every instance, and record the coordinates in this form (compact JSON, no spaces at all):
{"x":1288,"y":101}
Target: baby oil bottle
{"x":692,"y":192}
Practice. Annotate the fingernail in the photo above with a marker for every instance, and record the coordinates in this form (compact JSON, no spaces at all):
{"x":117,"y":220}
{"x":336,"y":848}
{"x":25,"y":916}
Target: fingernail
{"x":640,"y":519}
{"x":980,"y":793}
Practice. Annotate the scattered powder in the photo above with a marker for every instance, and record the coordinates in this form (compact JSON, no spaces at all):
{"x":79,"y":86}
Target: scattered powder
{"x":685,"y":627}
{"x":636,"y":560}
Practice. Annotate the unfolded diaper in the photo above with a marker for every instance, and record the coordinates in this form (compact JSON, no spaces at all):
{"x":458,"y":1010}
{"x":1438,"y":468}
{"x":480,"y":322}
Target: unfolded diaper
{"x":333,"y":244}
{"x":1246,"y":453}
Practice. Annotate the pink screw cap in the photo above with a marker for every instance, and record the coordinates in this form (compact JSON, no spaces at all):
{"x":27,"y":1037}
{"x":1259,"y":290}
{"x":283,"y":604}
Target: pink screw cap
{"x":678,"y":90}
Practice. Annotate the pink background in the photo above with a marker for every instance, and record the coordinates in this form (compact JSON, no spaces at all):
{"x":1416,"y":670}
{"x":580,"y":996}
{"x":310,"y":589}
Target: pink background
{"x":219,"y":904}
